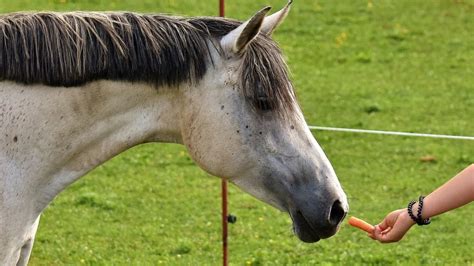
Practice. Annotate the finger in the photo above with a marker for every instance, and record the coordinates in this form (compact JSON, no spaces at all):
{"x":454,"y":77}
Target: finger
{"x":386,"y":238}
{"x":394,"y":234}
{"x":383,"y":236}
{"x":384,"y":224}
{"x":377,"y":233}
{"x":386,"y":230}
{"x":380,"y":230}
{"x":372,"y":236}
{"x":377,"y":230}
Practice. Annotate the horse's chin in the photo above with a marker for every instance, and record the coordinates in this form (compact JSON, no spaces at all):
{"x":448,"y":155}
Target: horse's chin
{"x":305,"y":236}
{"x":305,"y":232}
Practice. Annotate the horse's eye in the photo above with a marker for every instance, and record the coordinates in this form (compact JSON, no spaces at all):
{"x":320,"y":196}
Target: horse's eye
{"x":261,"y":99}
{"x":263,"y":103}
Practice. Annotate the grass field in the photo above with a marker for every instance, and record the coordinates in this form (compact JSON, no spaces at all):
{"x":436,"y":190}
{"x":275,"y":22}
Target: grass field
{"x":393,"y":65}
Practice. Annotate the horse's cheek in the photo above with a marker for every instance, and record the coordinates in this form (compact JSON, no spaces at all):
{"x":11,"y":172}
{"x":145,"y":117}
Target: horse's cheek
{"x":212,"y":146}
{"x":195,"y":140}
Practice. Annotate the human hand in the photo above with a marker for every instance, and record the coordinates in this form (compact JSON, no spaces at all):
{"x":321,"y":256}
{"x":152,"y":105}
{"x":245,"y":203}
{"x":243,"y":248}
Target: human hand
{"x":393,"y":227}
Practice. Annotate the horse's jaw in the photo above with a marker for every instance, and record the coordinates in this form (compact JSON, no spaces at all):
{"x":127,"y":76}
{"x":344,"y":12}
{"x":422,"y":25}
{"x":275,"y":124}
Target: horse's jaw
{"x":302,"y":228}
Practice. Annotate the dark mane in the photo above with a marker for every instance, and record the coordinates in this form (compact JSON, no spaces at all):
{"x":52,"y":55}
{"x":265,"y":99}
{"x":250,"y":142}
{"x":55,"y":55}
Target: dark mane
{"x":71,"y":49}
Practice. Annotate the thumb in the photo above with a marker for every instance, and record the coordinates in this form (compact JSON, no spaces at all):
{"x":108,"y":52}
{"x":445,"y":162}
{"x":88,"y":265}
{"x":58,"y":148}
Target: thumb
{"x":383,"y":225}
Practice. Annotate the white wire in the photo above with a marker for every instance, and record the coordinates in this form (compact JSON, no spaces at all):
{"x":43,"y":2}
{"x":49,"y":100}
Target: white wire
{"x":395,"y":133}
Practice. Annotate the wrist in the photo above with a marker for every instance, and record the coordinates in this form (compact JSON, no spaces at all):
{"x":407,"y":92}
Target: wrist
{"x":406,"y":218}
{"x":415,"y":212}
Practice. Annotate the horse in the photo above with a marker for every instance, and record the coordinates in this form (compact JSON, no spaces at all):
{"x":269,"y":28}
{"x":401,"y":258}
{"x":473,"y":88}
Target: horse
{"x":78,"y":88}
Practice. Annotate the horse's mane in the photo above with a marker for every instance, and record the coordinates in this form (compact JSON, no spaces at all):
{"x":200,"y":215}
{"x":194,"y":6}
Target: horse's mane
{"x":71,"y":49}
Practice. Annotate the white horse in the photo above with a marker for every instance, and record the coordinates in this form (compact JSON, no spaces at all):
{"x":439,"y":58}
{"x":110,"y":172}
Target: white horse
{"x":78,"y":88}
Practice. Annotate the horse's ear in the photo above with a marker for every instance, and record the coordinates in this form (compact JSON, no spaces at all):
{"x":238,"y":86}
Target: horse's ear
{"x":236,"y":40}
{"x":271,"y":22}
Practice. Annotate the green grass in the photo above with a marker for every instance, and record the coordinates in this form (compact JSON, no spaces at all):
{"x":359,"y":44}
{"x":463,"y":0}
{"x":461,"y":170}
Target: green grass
{"x":393,"y":65}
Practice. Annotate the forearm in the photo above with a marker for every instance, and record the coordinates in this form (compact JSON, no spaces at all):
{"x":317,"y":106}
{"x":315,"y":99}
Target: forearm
{"x":453,"y":194}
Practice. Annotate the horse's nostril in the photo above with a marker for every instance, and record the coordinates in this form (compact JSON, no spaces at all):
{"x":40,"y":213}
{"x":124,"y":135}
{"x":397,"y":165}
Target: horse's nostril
{"x":337,"y":213}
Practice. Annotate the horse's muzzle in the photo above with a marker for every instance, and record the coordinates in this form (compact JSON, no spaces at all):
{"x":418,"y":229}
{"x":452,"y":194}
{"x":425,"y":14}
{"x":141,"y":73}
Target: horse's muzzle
{"x":311,"y":230}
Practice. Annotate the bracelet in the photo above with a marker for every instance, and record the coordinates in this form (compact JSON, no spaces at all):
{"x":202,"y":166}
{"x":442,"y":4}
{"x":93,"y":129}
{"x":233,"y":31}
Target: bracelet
{"x":421,"y":221}
{"x":410,"y":210}
{"x":417,"y":219}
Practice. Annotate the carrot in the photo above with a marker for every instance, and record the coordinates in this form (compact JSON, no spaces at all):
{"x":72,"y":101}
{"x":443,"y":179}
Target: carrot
{"x":361,"y":224}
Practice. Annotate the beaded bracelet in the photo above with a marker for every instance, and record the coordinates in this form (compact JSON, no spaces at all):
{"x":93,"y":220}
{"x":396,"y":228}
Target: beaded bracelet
{"x":410,"y":210}
{"x":417,"y":219}
{"x":421,"y":221}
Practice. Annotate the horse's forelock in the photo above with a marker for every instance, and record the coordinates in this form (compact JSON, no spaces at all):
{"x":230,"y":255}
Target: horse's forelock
{"x":265,"y":77}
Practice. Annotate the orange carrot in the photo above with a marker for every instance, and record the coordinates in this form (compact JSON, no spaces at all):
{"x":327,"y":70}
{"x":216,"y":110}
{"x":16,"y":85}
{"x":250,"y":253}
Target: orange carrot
{"x":361,"y":224}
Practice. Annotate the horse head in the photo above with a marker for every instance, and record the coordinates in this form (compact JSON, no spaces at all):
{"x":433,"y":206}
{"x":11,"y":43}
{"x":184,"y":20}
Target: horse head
{"x":242,"y":122}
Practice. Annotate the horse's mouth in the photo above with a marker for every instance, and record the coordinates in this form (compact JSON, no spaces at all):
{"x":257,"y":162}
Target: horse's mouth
{"x":302,"y":228}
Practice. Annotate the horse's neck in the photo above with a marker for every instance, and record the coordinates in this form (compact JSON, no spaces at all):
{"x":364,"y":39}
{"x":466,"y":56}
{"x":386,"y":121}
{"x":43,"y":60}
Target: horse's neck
{"x":49,"y":137}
